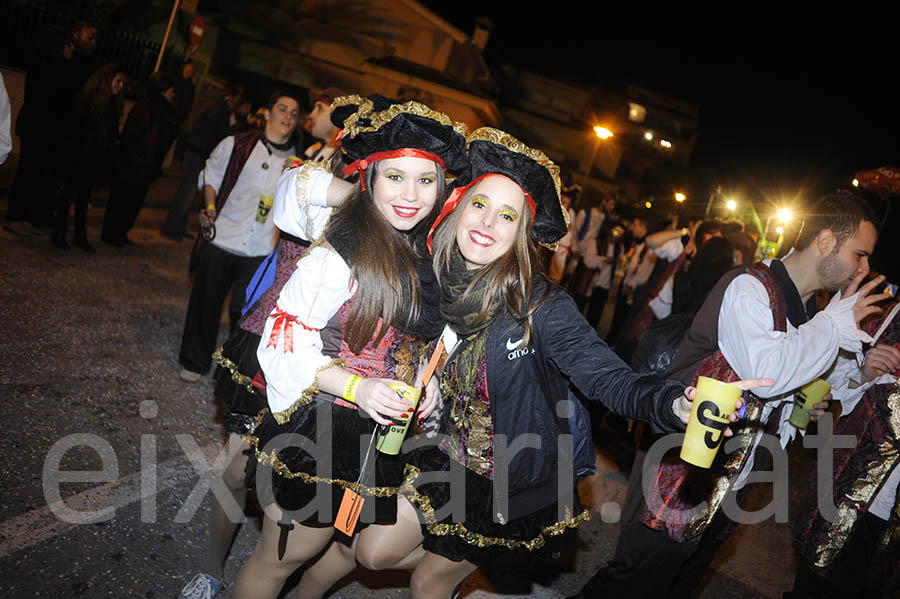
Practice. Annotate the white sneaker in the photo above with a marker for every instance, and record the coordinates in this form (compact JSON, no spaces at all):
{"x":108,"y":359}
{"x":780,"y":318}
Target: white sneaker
{"x":202,"y":586}
{"x":190,"y":376}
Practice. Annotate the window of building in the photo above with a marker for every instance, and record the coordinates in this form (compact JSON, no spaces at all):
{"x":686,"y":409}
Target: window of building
{"x":636,"y":113}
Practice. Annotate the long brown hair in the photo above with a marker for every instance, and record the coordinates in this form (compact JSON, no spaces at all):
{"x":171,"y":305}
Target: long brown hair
{"x":509,"y":279}
{"x":382,"y":263}
{"x":98,"y":88}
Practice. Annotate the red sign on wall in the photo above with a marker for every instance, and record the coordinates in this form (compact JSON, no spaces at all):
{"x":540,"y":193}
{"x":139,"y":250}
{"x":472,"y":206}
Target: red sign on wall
{"x":198,"y":27}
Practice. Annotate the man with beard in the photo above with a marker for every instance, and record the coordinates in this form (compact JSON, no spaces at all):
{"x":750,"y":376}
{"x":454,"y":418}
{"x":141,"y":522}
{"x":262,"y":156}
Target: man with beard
{"x":752,"y":324}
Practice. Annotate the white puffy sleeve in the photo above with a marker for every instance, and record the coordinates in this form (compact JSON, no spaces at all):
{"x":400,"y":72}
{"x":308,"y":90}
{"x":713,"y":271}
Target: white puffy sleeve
{"x":301,"y":201}
{"x":290,"y":351}
{"x":214,"y":170}
{"x":752,"y":346}
{"x":670,"y":250}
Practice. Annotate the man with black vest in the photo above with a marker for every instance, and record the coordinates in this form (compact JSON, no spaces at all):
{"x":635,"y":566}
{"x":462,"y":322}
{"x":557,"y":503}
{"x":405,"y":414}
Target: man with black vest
{"x":752,"y":324}
{"x":238,"y":183}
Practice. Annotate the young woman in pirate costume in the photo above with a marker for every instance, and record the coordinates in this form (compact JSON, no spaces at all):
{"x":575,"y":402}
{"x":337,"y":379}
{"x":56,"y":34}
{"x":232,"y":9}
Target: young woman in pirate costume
{"x":515,"y":343}
{"x":238,"y":366}
{"x":358,"y":312}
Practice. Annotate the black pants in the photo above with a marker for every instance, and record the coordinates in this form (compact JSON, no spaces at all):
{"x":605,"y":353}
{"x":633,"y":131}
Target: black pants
{"x":218,"y":272}
{"x":126,"y":198}
{"x":33,"y":195}
{"x":860,"y":570}
{"x":77,"y":190}
{"x":647,"y":562}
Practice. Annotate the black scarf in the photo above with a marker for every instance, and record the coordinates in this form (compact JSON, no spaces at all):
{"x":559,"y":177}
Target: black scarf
{"x":459,"y":307}
{"x":797,"y":314}
{"x":429,"y":324}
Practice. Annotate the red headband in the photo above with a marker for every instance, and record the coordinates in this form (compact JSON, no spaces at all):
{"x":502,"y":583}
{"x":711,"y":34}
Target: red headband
{"x":457,"y":196}
{"x":363,"y":163}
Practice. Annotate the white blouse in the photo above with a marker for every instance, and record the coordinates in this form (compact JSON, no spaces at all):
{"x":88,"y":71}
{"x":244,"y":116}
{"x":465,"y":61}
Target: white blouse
{"x":301,"y":201}
{"x":290,"y":351}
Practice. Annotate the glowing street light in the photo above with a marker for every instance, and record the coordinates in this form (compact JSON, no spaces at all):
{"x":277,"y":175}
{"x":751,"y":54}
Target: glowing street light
{"x":680,"y":197}
{"x":855,"y":183}
{"x":648,"y":136}
{"x":603,"y":132}
{"x":648,"y":204}
{"x":785,"y":215}
{"x":665,"y":143}
{"x":732,"y":205}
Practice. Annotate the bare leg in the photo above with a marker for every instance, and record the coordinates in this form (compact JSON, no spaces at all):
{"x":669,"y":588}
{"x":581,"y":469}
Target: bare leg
{"x":393,"y":546}
{"x":337,"y":561}
{"x":436,"y":577}
{"x":223,"y":528}
{"x":264,"y":574}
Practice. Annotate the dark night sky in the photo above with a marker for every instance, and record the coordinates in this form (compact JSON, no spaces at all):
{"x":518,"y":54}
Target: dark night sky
{"x":788,"y":104}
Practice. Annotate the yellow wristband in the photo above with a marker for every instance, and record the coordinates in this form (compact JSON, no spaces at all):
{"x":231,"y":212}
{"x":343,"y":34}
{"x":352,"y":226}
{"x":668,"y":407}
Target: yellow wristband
{"x":349,"y":392}
{"x":211,"y":207}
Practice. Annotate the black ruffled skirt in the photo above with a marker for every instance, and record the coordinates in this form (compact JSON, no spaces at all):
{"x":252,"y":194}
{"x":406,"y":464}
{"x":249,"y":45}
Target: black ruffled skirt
{"x":238,"y":364}
{"x":478,"y":538}
{"x":309,"y":480}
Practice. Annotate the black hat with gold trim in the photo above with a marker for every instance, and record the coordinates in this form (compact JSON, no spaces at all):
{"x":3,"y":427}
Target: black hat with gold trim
{"x":377,"y":128}
{"x":493,"y":152}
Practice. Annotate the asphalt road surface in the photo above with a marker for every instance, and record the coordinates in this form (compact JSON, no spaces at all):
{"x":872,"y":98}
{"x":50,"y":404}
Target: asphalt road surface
{"x":90,"y":383}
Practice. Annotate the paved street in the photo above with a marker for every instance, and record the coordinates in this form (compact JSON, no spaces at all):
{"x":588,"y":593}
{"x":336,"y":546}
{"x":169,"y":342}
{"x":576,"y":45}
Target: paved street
{"x":89,"y":346}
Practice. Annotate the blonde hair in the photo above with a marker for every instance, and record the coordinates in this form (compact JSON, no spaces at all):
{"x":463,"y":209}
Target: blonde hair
{"x":509,"y":279}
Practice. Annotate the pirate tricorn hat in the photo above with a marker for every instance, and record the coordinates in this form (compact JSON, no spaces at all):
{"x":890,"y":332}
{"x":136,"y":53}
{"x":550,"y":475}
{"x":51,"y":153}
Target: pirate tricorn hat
{"x":377,"y":128}
{"x":493,"y":152}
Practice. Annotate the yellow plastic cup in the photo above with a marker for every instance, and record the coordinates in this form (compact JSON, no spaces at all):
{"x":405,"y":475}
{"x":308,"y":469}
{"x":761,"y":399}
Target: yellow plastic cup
{"x":391,"y":439}
{"x":809,"y":395}
{"x":714,"y":403}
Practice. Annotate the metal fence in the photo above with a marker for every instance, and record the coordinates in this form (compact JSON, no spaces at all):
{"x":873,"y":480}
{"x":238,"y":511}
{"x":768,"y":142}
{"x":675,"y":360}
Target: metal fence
{"x":33,"y":32}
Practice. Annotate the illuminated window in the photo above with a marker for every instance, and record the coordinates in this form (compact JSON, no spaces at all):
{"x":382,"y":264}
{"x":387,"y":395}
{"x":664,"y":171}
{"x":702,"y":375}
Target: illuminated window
{"x":636,"y":113}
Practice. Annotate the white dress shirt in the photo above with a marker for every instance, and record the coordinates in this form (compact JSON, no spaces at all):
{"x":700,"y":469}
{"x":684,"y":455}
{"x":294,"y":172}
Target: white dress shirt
{"x":237,"y":230}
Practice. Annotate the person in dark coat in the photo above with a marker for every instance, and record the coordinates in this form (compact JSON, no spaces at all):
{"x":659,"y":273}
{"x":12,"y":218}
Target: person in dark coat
{"x":50,"y":87}
{"x":211,"y":127}
{"x":94,"y":135}
{"x":149,"y":131}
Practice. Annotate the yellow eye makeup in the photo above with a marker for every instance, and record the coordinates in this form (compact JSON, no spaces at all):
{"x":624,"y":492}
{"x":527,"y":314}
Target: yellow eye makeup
{"x":509,"y":214}
{"x":478,"y":201}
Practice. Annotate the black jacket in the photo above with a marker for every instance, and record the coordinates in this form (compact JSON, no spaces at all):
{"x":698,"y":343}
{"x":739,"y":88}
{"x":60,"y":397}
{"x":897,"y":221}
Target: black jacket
{"x":527,"y":384}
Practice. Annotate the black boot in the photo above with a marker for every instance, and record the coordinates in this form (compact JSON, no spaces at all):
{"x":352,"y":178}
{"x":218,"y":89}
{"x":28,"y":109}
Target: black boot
{"x":80,"y":241}
{"x":59,"y":241}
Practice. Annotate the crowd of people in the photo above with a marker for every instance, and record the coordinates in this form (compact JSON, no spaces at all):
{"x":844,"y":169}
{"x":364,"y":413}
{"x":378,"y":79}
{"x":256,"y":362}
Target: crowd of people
{"x":383,"y":268}
{"x":402,"y":251}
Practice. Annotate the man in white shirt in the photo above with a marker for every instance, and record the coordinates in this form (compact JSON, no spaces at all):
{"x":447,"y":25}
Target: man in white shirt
{"x":238,"y":183}
{"x":663,"y":550}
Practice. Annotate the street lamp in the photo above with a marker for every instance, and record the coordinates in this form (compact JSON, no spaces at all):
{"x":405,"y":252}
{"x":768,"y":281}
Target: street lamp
{"x":855,"y":183}
{"x":648,"y":204}
{"x":602,"y":132}
{"x":680,"y":197}
{"x":785,"y":215}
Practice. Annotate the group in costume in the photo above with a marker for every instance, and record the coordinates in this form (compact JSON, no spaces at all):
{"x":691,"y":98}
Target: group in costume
{"x":407,"y":267}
